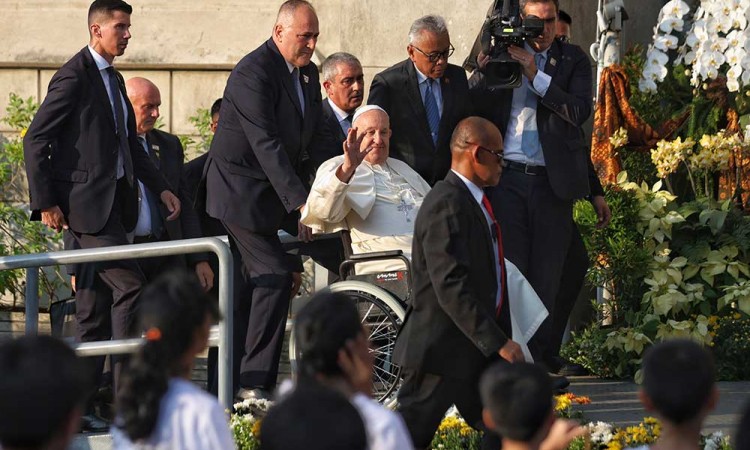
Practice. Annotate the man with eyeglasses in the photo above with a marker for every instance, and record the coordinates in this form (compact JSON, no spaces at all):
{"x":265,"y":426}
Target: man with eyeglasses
{"x":425,"y":98}
{"x":270,"y":124}
{"x":547,"y":167}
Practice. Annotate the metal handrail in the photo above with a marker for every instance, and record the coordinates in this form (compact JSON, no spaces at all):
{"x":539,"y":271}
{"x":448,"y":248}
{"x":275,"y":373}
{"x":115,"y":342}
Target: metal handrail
{"x":32,"y":263}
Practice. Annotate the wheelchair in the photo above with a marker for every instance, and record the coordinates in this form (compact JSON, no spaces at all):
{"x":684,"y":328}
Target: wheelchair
{"x":381,"y":299}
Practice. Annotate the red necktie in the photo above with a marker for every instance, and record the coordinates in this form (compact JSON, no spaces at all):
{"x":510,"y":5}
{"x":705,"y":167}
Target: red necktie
{"x":499,"y":240}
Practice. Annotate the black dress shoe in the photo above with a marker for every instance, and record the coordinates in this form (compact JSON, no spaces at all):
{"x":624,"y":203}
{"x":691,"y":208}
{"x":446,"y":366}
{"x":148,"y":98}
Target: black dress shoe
{"x":573,"y":370}
{"x":559,"y":384}
{"x":91,"y":423}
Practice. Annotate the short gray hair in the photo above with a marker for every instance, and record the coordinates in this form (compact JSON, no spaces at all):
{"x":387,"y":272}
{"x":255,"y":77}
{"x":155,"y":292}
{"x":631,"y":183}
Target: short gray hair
{"x":432,"y":23}
{"x":330,"y":65}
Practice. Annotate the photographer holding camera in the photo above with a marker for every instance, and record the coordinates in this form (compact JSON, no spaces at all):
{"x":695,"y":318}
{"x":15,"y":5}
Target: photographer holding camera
{"x":537,"y":90}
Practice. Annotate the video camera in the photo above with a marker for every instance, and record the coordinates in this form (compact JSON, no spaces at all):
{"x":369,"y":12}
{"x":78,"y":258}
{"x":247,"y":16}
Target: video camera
{"x":504,"y":27}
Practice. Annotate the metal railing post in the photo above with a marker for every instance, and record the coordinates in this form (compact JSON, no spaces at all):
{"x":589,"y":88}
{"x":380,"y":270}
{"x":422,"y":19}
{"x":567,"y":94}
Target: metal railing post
{"x":33,"y":262}
{"x":32,"y":301}
{"x":226,"y":300}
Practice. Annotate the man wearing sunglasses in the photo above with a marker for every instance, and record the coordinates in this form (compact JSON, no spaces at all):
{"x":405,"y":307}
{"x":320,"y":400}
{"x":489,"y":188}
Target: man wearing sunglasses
{"x":425,"y":98}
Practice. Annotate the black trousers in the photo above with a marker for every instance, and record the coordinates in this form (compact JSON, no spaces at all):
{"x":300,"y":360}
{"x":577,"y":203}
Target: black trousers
{"x":574,"y":273}
{"x":240,"y":313}
{"x":101,"y":317}
{"x":537,"y":227}
{"x":424,"y":399}
{"x":267,"y":272}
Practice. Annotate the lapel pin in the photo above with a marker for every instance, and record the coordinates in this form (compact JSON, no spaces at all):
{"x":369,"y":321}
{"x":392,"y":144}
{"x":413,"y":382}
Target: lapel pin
{"x":553,"y":61}
{"x":305,"y":78}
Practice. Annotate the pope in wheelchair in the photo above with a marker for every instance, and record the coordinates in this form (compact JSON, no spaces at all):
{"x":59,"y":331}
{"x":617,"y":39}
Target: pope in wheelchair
{"x":376,"y":199}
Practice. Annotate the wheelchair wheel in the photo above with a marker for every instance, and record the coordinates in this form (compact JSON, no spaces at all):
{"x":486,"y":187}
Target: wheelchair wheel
{"x":382,"y":314}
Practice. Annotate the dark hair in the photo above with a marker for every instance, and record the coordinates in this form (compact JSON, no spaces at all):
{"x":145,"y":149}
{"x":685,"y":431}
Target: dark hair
{"x":522,"y":3}
{"x":678,"y":376}
{"x":108,"y":7}
{"x":564,"y":17}
{"x":171,"y":309}
{"x":313,"y":417}
{"x":41,"y":382}
{"x":216,"y":107}
{"x":321,"y":329}
{"x":518,"y":397}
{"x":742,"y":438}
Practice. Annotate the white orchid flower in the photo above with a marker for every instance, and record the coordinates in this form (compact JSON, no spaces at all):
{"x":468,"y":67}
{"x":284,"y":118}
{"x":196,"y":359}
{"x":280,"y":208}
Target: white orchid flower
{"x":665,"y":42}
{"x":675,"y":8}
{"x":670,"y":23}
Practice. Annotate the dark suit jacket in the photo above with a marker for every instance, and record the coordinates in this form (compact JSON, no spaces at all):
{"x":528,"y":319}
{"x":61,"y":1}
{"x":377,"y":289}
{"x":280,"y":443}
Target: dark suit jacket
{"x":397,"y":91}
{"x":333,"y":131}
{"x":560,"y":115}
{"x":71,"y":147}
{"x":192,"y":173}
{"x":451,"y":327}
{"x":253,"y":176}
{"x":168,"y":150}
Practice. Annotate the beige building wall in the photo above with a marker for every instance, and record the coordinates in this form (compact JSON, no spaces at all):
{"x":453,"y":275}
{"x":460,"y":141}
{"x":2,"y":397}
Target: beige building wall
{"x":188,"y":47}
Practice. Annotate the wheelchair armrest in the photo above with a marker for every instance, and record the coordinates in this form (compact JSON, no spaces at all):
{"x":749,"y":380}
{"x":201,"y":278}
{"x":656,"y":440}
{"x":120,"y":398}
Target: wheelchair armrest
{"x":386,"y":254}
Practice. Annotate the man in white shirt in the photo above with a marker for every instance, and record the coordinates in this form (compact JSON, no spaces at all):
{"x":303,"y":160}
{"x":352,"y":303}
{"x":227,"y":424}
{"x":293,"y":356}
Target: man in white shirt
{"x":364,"y":190}
{"x":335,"y":352}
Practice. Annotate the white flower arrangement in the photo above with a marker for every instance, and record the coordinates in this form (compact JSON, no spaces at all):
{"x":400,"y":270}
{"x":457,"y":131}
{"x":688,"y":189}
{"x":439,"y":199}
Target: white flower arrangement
{"x":715,"y":43}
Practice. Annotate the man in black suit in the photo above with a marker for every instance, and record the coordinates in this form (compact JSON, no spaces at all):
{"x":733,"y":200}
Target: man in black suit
{"x":547,"y":163}
{"x":459,"y":320}
{"x":269,"y":126}
{"x":344,"y":83}
{"x":82,"y":158}
{"x":167,"y":154}
{"x":425,"y":98}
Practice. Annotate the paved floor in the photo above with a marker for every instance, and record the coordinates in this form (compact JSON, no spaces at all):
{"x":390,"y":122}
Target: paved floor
{"x":617,"y":402}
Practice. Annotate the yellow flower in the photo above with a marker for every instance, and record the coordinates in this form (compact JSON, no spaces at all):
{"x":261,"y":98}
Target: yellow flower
{"x":256,"y":429}
{"x":23,"y":132}
{"x":562,"y":402}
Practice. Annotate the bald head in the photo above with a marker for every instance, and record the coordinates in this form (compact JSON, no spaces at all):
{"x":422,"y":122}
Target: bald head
{"x":285,"y":17}
{"x":296,"y":32}
{"x":146,"y":100}
{"x":476,"y":151}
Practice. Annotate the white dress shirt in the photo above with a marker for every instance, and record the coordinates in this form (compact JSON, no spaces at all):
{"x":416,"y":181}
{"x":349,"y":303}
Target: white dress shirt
{"x":103,"y":65}
{"x":436,"y":89}
{"x":524,"y":118}
{"x":341,"y":116}
{"x":478,"y":194}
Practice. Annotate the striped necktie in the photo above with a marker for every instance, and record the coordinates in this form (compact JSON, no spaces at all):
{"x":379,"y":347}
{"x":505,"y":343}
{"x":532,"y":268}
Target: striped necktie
{"x":433,"y":113}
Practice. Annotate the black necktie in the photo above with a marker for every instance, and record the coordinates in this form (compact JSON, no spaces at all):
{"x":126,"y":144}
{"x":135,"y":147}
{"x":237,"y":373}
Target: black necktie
{"x":122,"y":135}
{"x":298,"y":87}
{"x":349,"y":122}
{"x":157,"y":224}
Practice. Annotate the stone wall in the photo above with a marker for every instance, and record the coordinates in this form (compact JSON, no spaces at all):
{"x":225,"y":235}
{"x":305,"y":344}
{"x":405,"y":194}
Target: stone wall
{"x":188,"y":47}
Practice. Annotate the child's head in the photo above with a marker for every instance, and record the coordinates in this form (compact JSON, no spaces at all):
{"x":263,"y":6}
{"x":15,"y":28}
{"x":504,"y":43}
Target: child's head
{"x":678,"y":381}
{"x":517,"y":400}
{"x":175,"y":315}
{"x":313,"y":417}
{"x":43,"y":387}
